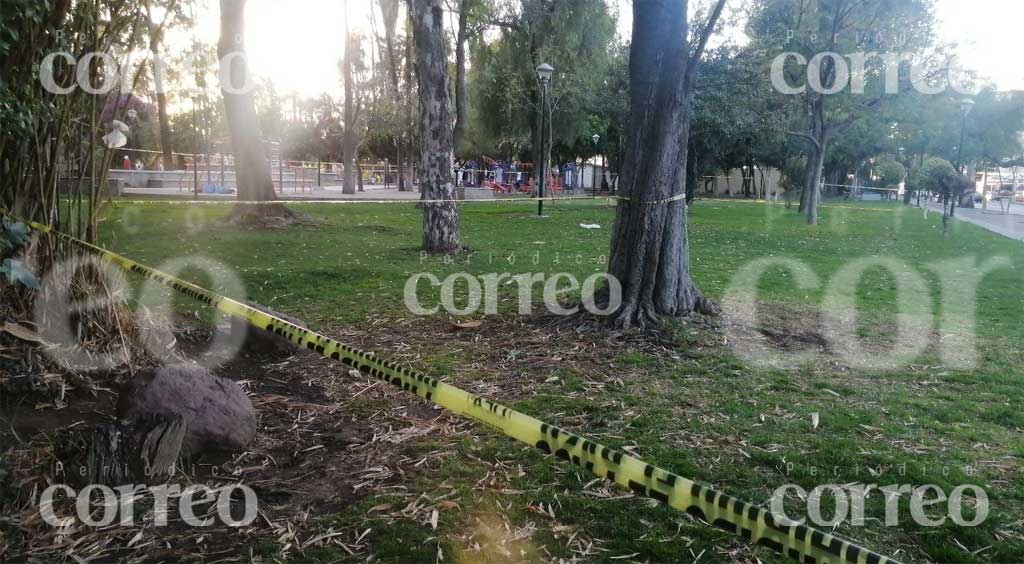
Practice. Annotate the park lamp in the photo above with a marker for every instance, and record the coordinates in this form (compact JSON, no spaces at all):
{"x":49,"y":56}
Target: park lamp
{"x":596,"y":138}
{"x":544,"y":73}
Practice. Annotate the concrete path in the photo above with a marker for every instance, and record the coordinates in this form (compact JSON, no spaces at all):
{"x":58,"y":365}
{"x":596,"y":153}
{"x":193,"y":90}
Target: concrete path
{"x":1009,"y":224}
{"x":373,"y":192}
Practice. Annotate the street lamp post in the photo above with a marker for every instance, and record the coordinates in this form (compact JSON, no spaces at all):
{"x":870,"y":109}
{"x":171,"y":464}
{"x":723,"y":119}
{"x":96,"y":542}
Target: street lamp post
{"x":965,"y":108}
{"x":544,"y":73}
{"x":593,"y":168}
{"x":195,"y":149}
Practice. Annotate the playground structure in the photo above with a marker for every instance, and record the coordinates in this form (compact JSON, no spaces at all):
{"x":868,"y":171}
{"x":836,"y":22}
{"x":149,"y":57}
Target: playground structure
{"x":517,"y":178}
{"x":215,"y":173}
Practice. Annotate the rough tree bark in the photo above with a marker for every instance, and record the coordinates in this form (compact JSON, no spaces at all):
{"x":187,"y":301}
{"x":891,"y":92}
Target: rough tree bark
{"x":813,"y":189}
{"x":650,"y":245}
{"x":821,"y":133}
{"x":440,"y":216}
{"x":252,"y":172}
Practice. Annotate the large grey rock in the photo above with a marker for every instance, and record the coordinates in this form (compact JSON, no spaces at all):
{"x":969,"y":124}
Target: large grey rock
{"x":218,"y":414}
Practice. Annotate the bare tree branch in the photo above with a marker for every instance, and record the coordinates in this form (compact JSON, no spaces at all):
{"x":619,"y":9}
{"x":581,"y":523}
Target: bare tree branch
{"x":702,"y":41}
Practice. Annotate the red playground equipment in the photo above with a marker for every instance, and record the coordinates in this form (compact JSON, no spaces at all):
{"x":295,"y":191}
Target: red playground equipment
{"x":552,"y":186}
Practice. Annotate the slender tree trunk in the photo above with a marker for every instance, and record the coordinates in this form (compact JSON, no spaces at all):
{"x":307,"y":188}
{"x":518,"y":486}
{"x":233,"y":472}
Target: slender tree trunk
{"x":251,"y":168}
{"x":165,"y":132}
{"x":161,"y":105}
{"x":814,"y":190}
{"x":409,"y":173}
{"x":815,"y":167}
{"x":821,"y":131}
{"x":389,"y":13}
{"x":461,"y":110}
{"x":348,"y":139}
{"x":155,"y":38}
{"x":437,"y":156}
{"x":805,"y":193}
{"x":650,"y":244}
{"x":400,"y":165}
{"x":359,"y":172}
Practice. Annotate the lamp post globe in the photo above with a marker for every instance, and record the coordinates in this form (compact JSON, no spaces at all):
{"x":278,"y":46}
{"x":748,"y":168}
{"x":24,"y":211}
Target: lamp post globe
{"x":544,"y":72}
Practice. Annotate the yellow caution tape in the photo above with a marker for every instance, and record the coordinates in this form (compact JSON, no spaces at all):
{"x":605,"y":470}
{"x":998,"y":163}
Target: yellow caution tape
{"x":798,"y":542}
{"x":675,"y":198}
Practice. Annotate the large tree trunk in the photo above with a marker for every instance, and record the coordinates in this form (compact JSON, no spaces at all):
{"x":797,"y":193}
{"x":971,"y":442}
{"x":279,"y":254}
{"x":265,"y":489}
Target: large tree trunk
{"x":348,"y":139}
{"x":650,"y":246}
{"x":252,"y":172}
{"x":437,"y":180}
{"x":461,"y":110}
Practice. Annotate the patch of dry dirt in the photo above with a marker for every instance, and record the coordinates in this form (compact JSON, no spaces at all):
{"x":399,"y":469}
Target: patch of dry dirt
{"x":327,"y":436}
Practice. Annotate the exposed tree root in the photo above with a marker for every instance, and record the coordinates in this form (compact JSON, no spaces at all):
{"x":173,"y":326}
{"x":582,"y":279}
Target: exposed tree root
{"x":267,"y":216}
{"x":707,"y":307}
{"x":643,"y":314}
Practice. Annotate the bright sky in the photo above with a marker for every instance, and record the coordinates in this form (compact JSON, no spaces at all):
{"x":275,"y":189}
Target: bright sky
{"x":989,"y":33}
{"x":297,"y":43}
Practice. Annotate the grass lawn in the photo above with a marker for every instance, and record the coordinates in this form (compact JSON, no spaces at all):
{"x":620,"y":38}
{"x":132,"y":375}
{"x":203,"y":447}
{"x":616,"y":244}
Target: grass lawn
{"x":692,"y":405}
